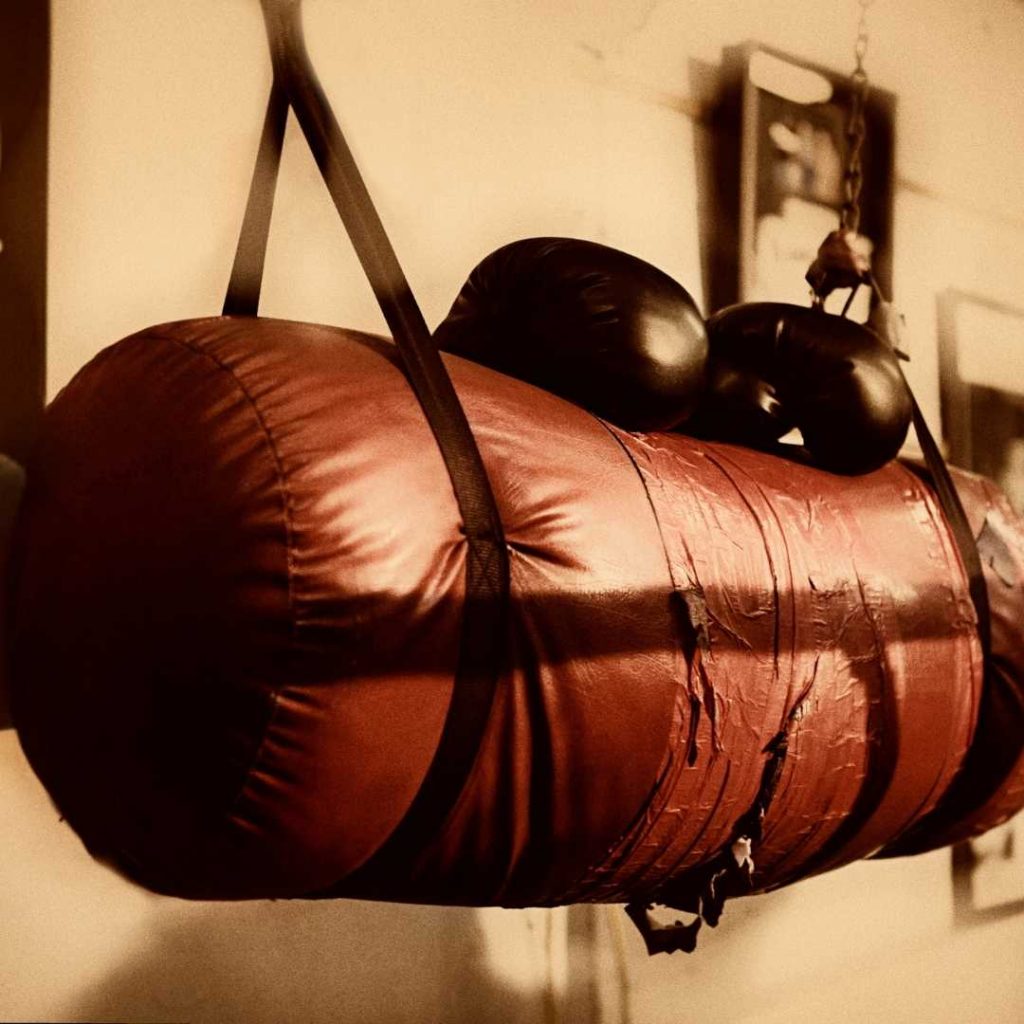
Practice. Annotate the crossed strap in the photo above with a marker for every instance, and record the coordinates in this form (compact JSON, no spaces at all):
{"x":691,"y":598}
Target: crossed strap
{"x":482,"y":646}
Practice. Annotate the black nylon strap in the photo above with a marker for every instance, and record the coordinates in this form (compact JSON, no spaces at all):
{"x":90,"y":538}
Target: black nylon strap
{"x":953,"y":509}
{"x":482,"y":645}
{"x":986,"y":766}
{"x":983,"y":770}
{"x":941,"y":481}
{"x":243,"y":297}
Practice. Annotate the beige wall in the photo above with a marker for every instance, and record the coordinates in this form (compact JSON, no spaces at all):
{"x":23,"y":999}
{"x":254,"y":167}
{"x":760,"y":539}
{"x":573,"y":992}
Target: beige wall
{"x":476,"y":122}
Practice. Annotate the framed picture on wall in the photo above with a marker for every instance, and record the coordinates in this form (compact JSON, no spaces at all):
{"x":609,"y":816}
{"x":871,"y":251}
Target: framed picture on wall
{"x":782,"y":149}
{"x":981,"y":372}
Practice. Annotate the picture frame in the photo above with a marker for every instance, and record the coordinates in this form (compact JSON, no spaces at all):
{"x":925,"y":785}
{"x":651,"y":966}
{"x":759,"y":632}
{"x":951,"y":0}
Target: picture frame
{"x":780,"y":161}
{"x":981,"y":374}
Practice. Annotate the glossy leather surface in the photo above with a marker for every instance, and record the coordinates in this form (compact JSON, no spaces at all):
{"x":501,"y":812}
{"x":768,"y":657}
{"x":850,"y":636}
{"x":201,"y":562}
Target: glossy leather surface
{"x":237,"y":606}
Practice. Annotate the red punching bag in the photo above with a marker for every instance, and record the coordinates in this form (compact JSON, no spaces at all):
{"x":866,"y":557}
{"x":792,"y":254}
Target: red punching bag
{"x":291,"y":619}
{"x":238,"y":616}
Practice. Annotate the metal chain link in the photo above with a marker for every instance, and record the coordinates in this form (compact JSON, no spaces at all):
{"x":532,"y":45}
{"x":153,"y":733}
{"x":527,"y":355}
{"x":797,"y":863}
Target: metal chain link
{"x":855,"y":129}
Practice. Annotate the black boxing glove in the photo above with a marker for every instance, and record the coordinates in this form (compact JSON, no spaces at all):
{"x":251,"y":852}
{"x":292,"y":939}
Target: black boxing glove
{"x":590,"y":323}
{"x":773,"y":366}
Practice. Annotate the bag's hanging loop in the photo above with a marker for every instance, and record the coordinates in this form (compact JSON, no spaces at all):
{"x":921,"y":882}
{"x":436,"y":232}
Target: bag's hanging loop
{"x":243,"y":295}
{"x":482,"y":644}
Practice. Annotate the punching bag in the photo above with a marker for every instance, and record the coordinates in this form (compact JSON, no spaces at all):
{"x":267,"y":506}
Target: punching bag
{"x":300,"y":612}
{"x":238,"y":610}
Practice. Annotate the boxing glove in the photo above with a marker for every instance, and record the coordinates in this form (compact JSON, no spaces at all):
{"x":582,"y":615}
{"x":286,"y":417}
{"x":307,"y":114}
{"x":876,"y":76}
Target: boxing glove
{"x":773,"y":366}
{"x":590,"y":323}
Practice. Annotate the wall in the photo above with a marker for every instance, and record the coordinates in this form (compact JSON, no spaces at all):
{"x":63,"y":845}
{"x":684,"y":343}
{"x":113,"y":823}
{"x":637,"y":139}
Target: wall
{"x":476,"y":122}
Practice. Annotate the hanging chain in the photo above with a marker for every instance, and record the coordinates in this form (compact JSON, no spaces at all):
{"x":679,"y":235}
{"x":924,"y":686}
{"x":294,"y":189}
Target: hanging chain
{"x":855,"y":129}
{"x":840,"y":262}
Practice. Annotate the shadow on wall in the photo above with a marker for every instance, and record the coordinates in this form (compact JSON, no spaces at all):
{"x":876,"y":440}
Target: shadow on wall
{"x":311,"y":961}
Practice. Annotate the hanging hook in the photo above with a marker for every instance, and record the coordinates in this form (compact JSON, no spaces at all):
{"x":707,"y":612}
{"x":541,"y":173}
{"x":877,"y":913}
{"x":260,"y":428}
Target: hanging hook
{"x":842,"y":261}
